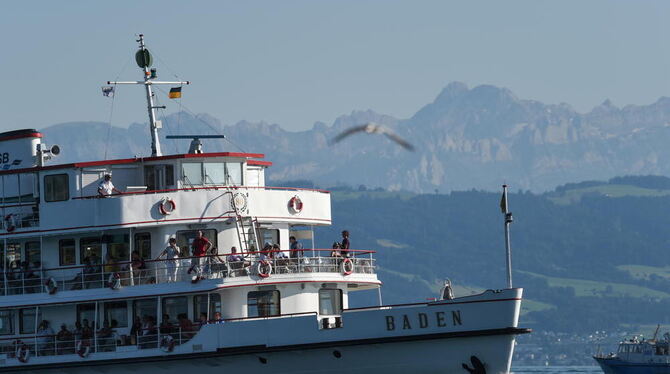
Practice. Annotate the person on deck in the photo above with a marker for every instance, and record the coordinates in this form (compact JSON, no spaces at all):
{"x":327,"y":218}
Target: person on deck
{"x":217,"y":319}
{"x":45,"y":335}
{"x":296,"y":247}
{"x":64,"y":341}
{"x":345,"y":245}
{"x":106,"y":187}
{"x":200,"y":246}
{"x":171,"y":253}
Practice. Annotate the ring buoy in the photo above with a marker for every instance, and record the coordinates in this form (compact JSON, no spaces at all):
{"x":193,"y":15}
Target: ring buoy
{"x":9,"y":222}
{"x":22,"y":352}
{"x":83,"y":349}
{"x":167,"y":206}
{"x":167,"y":343}
{"x":50,"y":286}
{"x":295,"y":204}
{"x":264,"y":268}
{"x":347,"y":266}
{"x":114,"y":281}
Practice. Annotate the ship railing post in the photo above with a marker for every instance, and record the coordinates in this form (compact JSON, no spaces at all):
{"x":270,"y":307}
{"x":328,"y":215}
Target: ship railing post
{"x":160,"y":315}
{"x":4,"y":266}
{"x":95,"y":329}
{"x":180,"y":336}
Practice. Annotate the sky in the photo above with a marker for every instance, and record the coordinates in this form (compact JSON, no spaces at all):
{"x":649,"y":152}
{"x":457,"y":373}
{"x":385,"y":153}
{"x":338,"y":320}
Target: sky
{"x":298,"y":62}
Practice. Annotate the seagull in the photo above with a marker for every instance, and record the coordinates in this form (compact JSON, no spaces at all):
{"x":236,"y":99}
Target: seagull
{"x":373,"y":128}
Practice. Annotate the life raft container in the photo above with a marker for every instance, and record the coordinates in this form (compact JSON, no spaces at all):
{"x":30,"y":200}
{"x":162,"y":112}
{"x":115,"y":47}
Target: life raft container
{"x":347,"y":266}
{"x":50,"y":286}
{"x":264,"y":268}
{"x":295,"y":204}
{"x":167,"y":206}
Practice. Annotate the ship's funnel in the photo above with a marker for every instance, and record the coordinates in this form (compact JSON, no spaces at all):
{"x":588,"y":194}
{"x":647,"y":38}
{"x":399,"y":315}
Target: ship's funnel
{"x":18,"y":149}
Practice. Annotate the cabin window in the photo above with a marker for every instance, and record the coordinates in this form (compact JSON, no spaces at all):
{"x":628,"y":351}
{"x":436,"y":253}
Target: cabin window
{"x":215,"y":173}
{"x":90,"y":248}
{"x":117,"y":311}
{"x":56,"y":187}
{"x":234,"y":173}
{"x":67,"y":252}
{"x":117,"y":247}
{"x":200,"y":304}
{"x":145,"y":308}
{"x":143,"y":244}
{"x":192,"y":173}
{"x":27,"y":320}
{"x":6,"y":322}
{"x":86,"y":312}
{"x":330,"y":301}
{"x":33,"y":253}
{"x":266,"y":236}
{"x":174,"y":306}
{"x":13,"y":254}
{"x":263,"y":303}
{"x":27,"y":188}
{"x":185,"y":238}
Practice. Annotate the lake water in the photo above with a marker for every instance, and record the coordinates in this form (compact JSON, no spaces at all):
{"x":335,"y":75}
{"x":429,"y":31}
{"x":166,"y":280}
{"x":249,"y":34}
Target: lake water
{"x":555,"y":369}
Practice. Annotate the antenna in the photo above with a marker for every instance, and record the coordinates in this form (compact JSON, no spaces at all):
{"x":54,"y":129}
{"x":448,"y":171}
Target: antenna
{"x":196,"y":144}
{"x":144,"y":61}
{"x":508,"y":220}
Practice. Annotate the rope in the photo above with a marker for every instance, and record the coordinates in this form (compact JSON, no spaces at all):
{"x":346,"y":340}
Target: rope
{"x":111,"y":109}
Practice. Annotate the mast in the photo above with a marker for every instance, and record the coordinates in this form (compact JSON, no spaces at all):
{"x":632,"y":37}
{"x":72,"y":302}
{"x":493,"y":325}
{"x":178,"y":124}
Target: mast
{"x":508,"y":220}
{"x":144,"y":61}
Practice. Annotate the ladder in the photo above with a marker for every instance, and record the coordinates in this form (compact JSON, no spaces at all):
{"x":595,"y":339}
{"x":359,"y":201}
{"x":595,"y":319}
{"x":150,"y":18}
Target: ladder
{"x":247,"y":228}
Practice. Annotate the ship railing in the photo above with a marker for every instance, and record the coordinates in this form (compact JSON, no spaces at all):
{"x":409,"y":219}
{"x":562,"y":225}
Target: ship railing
{"x":207,"y":187}
{"x":19,"y":215}
{"x":52,"y":345}
{"x":192,"y":269}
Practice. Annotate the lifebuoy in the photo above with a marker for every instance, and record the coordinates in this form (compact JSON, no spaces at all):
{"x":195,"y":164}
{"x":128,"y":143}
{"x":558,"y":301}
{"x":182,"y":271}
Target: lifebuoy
{"x":264,"y":268}
{"x":50,"y":286}
{"x":114,"y":281}
{"x":22,"y":352}
{"x":167,"y":206}
{"x":347,"y":266}
{"x":83,"y":350}
{"x":167,"y":343}
{"x":295,"y":204}
{"x":9,"y":222}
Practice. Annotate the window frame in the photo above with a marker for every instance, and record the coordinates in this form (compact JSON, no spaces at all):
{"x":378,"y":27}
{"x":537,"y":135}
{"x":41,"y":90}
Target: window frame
{"x":278,"y":304}
{"x":12,"y":326}
{"x":46,"y":191}
{"x":187,"y":247}
{"x":106,"y":306}
{"x":136,"y":247}
{"x":82,"y":250}
{"x":60,"y":252}
{"x":26,"y":249}
{"x":340,"y":301}
{"x":22,"y":330}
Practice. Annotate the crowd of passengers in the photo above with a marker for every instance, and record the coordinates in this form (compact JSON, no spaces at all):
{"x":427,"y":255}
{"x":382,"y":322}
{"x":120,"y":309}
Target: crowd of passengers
{"x":204,"y":260}
{"x":144,"y":333}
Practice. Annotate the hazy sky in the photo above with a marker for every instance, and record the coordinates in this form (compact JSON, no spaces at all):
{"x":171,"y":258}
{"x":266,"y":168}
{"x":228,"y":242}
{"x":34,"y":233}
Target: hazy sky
{"x":297,"y":62}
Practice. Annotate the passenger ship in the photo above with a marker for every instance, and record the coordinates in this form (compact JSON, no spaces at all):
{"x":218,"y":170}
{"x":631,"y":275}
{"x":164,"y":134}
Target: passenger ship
{"x":88,"y":263}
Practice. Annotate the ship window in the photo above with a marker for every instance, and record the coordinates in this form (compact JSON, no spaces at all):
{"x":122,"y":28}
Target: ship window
{"x":27,"y":187}
{"x":27,"y":320}
{"x":174,"y":306}
{"x":192,"y":173}
{"x":200,"y":304}
{"x":67,"y":252}
{"x":14,"y":256}
{"x":234,"y":173}
{"x":169,"y":175}
{"x":185,"y":239}
{"x":330,"y":301}
{"x":143,"y":244}
{"x":117,"y":311}
{"x":6,"y":322}
{"x":92,"y":248}
{"x":215,"y":173}
{"x":33,"y":252}
{"x":117,"y":247}
{"x":145,"y":307}
{"x":56,"y":187}
{"x":263,"y":303}
{"x":86,"y":312}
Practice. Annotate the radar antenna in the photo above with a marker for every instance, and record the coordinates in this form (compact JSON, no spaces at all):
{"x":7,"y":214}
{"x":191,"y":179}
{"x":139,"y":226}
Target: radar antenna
{"x":144,"y":61}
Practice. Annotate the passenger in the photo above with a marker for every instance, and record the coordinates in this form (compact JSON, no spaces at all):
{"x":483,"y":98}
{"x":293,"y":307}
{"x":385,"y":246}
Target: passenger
{"x":296,"y":247}
{"x":137,"y":266}
{"x":336,"y":250}
{"x":166,"y":326}
{"x":45,"y":337}
{"x":277,"y":252}
{"x":217,"y":319}
{"x":203,"y":319}
{"x":200,"y":246}
{"x":110,"y":264}
{"x":135,"y":330}
{"x":185,"y":327}
{"x":171,"y":253}
{"x":266,"y":252}
{"x":77,"y":331}
{"x":86,"y":332}
{"x":345,"y":245}
{"x":106,"y":187}
{"x":64,"y":341}
{"x":104,"y":338}
{"x":233,"y":256}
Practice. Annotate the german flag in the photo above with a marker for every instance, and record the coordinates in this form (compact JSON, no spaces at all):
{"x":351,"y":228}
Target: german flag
{"x":175,"y":93}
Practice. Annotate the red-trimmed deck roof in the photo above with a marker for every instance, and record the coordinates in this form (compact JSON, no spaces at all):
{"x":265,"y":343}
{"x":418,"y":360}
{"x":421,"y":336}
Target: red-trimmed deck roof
{"x":142,"y":159}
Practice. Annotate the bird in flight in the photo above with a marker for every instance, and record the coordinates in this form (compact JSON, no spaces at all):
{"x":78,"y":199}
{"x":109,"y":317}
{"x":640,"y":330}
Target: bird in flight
{"x":373,"y":128}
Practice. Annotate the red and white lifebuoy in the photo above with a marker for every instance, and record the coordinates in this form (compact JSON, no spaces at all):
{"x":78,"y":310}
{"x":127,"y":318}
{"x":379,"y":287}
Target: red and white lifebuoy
{"x":114,"y":281}
{"x":295,"y":204}
{"x":167,"y":343}
{"x":347,"y":266}
{"x":9,"y":222}
{"x":50,"y":286}
{"x":83,"y":349}
{"x":264,"y":268}
{"x":167,"y":206}
{"x":22,"y":351}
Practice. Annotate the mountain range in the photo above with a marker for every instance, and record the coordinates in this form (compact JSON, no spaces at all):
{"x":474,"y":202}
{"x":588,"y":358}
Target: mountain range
{"x":466,"y":138}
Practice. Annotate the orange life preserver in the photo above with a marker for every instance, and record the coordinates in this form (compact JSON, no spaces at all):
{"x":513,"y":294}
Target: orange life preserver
{"x":295,"y":204}
{"x":167,"y":206}
{"x":51,"y":286}
{"x":347,"y":266}
{"x":264,"y":269}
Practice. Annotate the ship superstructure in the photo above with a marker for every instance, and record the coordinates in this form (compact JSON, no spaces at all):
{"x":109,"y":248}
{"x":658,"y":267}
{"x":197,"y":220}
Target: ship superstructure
{"x":82,"y":286}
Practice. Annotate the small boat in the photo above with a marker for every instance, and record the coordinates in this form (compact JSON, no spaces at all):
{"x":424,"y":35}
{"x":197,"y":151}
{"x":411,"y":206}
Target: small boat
{"x":638,"y":356}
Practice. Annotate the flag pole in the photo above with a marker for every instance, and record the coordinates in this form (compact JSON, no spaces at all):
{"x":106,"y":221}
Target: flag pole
{"x":508,"y":220}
